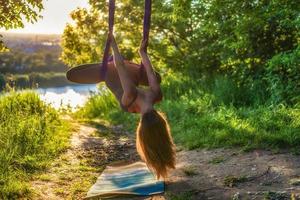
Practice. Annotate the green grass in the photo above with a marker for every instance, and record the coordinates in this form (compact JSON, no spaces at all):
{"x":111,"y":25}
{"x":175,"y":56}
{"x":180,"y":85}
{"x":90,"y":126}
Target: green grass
{"x":260,"y":127}
{"x":190,"y":171}
{"x":31,"y":135}
{"x":217,"y":160}
{"x":181,"y":196}
{"x":233,"y":181}
{"x":104,"y":105}
{"x":207,"y":114}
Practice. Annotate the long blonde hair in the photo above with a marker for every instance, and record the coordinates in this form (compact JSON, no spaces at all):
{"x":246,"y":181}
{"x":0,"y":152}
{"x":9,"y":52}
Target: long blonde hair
{"x":155,"y":144}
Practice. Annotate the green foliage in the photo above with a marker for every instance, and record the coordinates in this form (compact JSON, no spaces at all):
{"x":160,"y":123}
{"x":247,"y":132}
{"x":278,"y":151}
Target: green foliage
{"x":32,"y":60}
{"x":13,"y":13}
{"x":100,"y":104}
{"x":82,"y":43}
{"x":31,"y":134}
{"x":270,"y":195}
{"x":204,"y":118}
{"x":38,"y":59}
{"x":242,"y":41}
{"x":283,"y":77}
{"x":181,"y":196}
{"x":105,"y":106}
{"x":190,"y":171}
{"x":233,"y":181}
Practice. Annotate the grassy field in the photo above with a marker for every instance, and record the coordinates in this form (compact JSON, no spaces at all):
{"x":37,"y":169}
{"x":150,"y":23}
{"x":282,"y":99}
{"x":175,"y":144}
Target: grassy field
{"x":31,"y":135}
{"x":212,"y":114}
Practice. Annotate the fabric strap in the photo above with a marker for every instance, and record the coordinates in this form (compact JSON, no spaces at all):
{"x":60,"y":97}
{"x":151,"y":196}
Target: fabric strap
{"x":111,"y":19}
{"x":146,"y":26}
{"x":147,"y":21}
{"x":146,"y":31}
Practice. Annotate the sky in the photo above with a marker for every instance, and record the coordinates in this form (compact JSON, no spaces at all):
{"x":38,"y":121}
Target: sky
{"x":55,"y":16}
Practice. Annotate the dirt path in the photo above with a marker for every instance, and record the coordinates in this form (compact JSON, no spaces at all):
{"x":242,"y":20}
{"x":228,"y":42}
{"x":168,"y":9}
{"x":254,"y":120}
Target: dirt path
{"x":200,"y":174}
{"x":75,"y":171}
{"x":232,"y":174}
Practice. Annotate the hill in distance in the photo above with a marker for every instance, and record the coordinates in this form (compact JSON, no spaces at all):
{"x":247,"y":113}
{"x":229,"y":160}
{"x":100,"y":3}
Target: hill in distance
{"x":15,"y":40}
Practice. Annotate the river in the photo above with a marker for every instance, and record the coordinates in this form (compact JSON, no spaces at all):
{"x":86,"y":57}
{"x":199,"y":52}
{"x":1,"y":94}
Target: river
{"x":73,"y":96}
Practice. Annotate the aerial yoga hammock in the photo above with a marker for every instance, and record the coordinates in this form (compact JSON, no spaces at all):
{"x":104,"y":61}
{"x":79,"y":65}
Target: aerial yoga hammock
{"x":154,"y":142}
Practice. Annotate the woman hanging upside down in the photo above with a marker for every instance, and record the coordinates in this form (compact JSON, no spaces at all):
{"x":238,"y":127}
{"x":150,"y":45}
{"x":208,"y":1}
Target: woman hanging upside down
{"x":154,"y":142}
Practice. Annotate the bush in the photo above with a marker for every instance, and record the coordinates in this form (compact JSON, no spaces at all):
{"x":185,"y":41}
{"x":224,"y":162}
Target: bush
{"x":31,"y":133}
{"x":283,"y":77}
{"x":211,"y":115}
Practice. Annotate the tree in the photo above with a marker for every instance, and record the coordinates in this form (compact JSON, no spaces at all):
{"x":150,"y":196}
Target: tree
{"x":242,"y":40}
{"x":84,"y":41}
{"x":14,"y":12}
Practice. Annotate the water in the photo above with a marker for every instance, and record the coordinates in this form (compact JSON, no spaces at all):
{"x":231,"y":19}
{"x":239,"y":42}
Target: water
{"x":73,"y":96}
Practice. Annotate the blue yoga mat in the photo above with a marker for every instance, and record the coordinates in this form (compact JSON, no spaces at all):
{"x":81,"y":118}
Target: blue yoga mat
{"x":133,"y":179}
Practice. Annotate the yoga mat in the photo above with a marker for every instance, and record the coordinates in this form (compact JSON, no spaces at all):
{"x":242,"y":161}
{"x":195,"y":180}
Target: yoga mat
{"x":134,"y":179}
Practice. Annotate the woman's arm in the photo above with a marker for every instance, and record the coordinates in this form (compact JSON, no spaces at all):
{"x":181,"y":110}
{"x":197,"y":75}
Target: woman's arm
{"x":152,"y":78}
{"x":128,"y":85}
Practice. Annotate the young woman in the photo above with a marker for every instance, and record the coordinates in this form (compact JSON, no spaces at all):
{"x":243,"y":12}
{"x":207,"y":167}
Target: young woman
{"x":154,"y":142}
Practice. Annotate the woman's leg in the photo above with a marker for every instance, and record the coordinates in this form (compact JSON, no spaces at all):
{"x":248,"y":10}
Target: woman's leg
{"x":85,"y":74}
{"x":153,"y":79}
{"x":128,"y":85}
